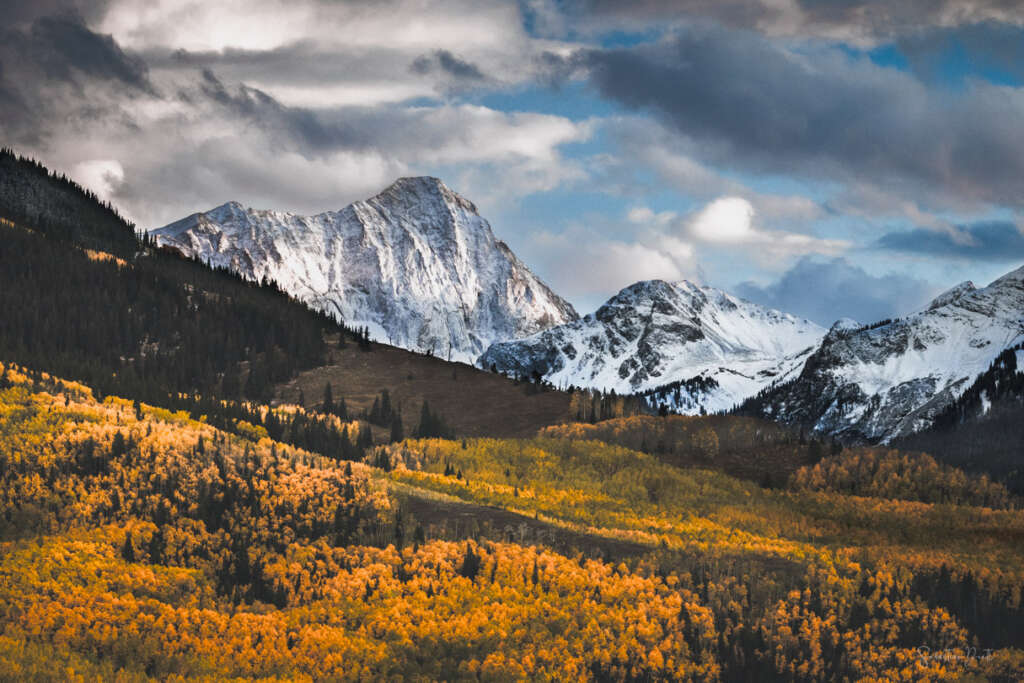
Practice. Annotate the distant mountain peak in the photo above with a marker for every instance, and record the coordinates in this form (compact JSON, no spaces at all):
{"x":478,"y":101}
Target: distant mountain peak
{"x":424,"y":189}
{"x":952,"y":294}
{"x":880,"y":382}
{"x":714,"y":348}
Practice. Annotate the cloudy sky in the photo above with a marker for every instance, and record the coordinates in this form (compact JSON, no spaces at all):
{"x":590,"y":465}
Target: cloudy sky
{"x":827,"y":157}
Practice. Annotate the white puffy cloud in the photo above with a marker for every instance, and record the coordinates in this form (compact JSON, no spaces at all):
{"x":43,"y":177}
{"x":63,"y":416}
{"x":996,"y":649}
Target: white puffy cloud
{"x":731,"y":223}
{"x":267,"y":24}
{"x":726,"y":220}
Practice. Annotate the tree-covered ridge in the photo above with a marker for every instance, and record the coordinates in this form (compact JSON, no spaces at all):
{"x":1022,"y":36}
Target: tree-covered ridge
{"x":33,"y":196}
{"x":149,"y":326}
{"x":886,"y":473}
{"x":745,"y":447}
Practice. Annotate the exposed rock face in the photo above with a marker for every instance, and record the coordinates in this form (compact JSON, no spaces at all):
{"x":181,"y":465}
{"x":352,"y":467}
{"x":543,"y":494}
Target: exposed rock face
{"x":416,"y":264}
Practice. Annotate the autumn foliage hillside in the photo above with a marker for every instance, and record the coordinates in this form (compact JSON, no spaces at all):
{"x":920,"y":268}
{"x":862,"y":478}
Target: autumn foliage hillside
{"x":749,"y":448}
{"x":833,"y":567}
{"x":886,"y":473}
{"x":140,"y":543}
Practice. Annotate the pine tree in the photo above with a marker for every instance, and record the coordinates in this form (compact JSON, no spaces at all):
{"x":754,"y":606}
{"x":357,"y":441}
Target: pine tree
{"x":157,"y":545}
{"x":431,"y":425}
{"x":327,"y":406}
{"x":365,"y":438}
{"x":470,"y":563}
{"x":117,"y":446}
{"x":128,"y":550}
{"x":397,"y":433}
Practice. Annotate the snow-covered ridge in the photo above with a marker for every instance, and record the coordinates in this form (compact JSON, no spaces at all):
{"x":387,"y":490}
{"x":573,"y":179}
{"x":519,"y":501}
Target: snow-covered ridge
{"x":416,"y":264}
{"x":952,"y":294}
{"x":654,"y":333}
{"x":880,"y":382}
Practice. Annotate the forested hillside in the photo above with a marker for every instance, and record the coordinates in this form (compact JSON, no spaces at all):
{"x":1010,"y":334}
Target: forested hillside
{"x":142,"y":323}
{"x":760,"y":451}
{"x":32,"y":195}
{"x":983,"y":430}
{"x":142,"y":544}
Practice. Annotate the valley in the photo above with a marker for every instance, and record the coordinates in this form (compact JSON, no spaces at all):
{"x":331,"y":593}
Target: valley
{"x":182,"y":499}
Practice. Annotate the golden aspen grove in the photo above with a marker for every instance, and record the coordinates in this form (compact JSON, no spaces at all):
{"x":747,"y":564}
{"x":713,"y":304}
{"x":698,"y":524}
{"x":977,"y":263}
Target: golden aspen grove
{"x":140,"y":543}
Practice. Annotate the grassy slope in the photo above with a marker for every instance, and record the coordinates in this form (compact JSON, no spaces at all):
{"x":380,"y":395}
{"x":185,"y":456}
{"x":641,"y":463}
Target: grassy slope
{"x":472,"y":401}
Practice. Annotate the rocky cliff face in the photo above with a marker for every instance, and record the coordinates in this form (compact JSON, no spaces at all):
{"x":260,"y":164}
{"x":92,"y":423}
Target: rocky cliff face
{"x":416,"y":264}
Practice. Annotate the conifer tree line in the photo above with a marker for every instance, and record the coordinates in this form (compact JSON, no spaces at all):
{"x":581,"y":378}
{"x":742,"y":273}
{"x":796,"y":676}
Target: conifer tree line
{"x":384,"y":413}
{"x":35,"y":197}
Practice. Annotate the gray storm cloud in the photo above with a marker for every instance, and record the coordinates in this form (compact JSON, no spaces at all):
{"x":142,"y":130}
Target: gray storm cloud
{"x":758,"y":106}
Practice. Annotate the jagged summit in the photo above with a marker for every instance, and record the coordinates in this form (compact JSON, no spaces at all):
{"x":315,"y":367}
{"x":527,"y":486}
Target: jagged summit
{"x":952,"y":294}
{"x":417,"y":264}
{"x":885,"y":381}
{"x":654,"y":333}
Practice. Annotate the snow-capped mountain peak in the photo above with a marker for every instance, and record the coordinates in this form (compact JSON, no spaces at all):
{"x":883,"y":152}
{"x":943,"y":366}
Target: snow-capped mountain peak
{"x":890,"y":379}
{"x":417,"y":264}
{"x":655,"y":333}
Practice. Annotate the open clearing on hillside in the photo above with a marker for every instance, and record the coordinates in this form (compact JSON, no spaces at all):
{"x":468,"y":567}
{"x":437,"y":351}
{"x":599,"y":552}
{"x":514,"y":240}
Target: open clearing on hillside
{"x":472,"y":401}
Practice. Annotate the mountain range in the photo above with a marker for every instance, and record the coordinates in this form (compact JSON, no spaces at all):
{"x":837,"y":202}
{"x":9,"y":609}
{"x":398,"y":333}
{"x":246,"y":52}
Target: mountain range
{"x":879,"y":382}
{"x":421,"y":269}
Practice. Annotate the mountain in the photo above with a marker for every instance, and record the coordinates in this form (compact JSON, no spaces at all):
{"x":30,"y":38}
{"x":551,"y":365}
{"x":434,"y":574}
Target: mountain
{"x":879,"y":382}
{"x":689,"y":346}
{"x":416,"y":264}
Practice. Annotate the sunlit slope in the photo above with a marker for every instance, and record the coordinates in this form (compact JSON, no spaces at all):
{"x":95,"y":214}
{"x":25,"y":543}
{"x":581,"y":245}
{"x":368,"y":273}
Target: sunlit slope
{"x":140,"y":544}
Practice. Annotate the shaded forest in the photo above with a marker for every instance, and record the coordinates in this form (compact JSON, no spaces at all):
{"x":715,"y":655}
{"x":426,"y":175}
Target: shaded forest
{"x":983,"y":430}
